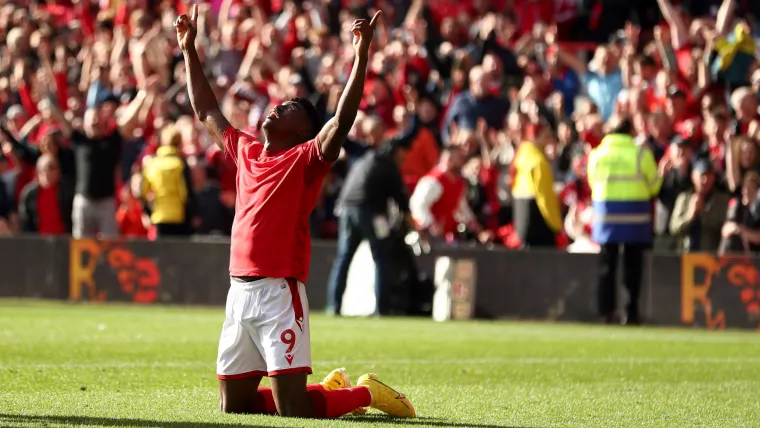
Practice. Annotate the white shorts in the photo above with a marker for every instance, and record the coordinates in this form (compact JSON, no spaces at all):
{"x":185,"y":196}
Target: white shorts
{"x":266,"y":330}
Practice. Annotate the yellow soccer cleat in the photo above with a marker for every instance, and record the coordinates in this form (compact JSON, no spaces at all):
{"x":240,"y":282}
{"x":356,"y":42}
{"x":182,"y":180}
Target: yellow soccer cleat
{"x":338,"y":379}
{"x":387,"y":399}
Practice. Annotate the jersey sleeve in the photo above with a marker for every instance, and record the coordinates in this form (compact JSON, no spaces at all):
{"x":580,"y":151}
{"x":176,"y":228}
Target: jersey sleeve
{"x":231,"y":141}
{"x":317,"y":165}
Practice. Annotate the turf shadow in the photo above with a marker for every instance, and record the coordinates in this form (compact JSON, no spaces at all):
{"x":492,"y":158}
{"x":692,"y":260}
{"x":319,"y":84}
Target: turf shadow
{"x":127,"y":422}
{"x":421,"y":420}
{"x":111,"y":422}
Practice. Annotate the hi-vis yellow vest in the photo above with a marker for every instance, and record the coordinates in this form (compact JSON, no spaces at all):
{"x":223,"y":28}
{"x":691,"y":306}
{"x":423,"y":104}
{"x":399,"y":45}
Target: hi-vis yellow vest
{"x":623,"y":178}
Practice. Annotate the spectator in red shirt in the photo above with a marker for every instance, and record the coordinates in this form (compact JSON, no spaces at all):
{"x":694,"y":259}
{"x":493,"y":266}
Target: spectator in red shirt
{"x":47,"y":202}
{"x":680,"y":112}
{"x":439,"y":204}
{"x":132,"y":220}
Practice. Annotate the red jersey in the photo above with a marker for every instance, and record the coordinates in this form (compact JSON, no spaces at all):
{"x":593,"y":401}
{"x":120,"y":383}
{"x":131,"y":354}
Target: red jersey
{"x":276,"y":192}
{"x":446,"y":206}
{"x":49,"y":211}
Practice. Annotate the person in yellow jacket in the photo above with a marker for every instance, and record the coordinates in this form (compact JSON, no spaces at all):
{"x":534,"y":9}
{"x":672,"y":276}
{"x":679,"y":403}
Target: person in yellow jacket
{"x":166,"y":187}
{"x":535,"y":205}
{"x":624,"y":179}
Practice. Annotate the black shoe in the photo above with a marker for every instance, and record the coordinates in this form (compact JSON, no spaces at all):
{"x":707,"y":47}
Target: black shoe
{"x":608,"y":319}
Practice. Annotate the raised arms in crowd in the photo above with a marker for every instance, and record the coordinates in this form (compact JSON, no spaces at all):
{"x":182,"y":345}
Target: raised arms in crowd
{"x":679,"y":34}
{"x":563,"y":56}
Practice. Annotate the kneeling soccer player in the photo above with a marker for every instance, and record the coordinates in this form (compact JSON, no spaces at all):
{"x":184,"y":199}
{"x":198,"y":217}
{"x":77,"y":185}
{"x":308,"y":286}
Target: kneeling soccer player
{"x":266,"y":330}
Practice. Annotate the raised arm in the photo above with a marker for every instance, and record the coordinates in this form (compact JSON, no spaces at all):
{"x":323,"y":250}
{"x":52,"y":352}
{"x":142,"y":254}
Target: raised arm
{"x":57,"y":115}
{"x":725,"y":17}
{"x":564,"y":57}
{"x":679,"y":35}
{"x":334,"y":133}
{"x":201,"y":96}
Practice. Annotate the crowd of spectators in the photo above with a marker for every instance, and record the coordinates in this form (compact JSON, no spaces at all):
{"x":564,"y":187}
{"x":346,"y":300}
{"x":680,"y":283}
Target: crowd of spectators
{"x":92,"y":93}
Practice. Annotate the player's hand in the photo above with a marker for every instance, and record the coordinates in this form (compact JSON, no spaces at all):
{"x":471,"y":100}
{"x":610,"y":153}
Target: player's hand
{"x":363,"y":33}
{"x":187,"y":28}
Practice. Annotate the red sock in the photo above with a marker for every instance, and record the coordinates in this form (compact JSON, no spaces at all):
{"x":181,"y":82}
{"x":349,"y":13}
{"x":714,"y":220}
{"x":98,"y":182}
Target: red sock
{"x":334,"y":404}
{"x":265,"y":400}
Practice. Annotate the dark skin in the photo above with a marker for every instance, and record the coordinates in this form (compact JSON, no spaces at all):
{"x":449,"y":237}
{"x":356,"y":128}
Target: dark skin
{"x":287,"y":126}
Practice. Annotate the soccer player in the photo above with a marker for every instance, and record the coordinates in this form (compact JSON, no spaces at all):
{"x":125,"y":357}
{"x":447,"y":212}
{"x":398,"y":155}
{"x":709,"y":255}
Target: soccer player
{"x":266,"y":330}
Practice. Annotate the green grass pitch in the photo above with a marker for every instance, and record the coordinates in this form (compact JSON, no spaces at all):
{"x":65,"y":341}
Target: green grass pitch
{"x":124,"y":366}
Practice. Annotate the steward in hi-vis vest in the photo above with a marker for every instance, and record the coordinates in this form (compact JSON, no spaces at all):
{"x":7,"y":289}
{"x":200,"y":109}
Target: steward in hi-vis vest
{"x":624,"y":179}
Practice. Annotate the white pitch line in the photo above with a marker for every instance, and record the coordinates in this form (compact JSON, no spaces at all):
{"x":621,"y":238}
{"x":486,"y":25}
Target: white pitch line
{"x":453,"y":361}
{"x":509,"y":337}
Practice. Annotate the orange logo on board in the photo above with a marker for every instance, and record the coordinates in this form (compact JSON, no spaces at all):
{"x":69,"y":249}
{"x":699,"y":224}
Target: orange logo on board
{"x":136,"y":276}
{"x":709,"y":286}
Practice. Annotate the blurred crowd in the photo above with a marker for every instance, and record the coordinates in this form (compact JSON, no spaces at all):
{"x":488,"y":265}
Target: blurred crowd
{"x":99,"y":137}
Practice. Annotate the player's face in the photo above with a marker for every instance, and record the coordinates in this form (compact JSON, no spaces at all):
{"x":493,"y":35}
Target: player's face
{"x":286,"y":118}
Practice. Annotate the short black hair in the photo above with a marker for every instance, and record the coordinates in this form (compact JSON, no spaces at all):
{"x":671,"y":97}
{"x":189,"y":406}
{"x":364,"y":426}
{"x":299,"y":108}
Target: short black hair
{"x":311,"y":111}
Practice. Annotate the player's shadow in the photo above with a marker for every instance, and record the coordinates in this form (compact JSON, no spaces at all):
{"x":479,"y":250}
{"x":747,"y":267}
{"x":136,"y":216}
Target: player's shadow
{"x":27,"y":420}
{"x":126,"y":422}
{"x":421,"y":420}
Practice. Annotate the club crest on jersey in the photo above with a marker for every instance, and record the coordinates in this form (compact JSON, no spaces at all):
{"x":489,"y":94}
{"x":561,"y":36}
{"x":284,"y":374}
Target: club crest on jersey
{"x":289,"y":358}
